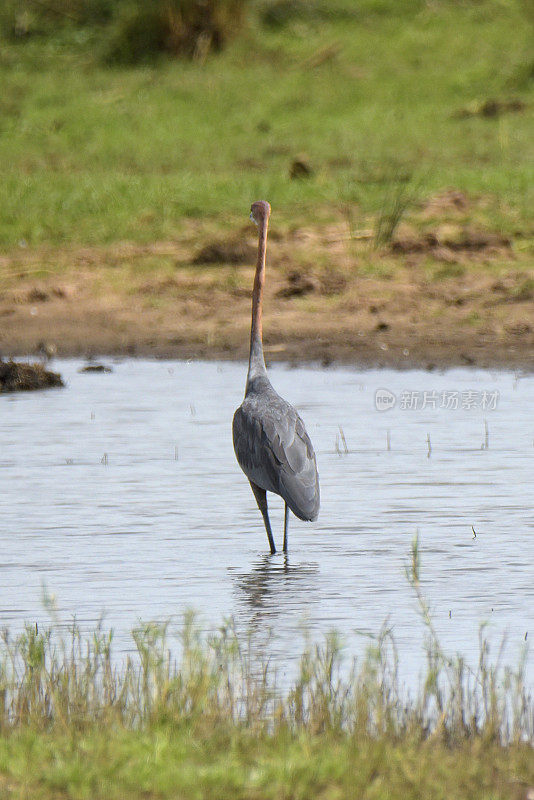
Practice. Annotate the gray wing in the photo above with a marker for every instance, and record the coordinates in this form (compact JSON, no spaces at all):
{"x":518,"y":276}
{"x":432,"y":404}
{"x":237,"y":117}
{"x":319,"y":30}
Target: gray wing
{"x":275,"y":452}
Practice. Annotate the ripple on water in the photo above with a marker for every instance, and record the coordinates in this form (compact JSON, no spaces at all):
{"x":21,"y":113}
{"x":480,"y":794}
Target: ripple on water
{"x":169,"y":521}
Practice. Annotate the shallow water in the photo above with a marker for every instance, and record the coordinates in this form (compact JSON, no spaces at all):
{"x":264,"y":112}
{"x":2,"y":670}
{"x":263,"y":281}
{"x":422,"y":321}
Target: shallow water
{"x":121,"y":495}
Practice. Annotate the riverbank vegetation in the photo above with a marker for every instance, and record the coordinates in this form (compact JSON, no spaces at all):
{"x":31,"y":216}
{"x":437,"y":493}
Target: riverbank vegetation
{"x":20,"y":377}
{"x":393,"y":140}
{"x":210,"y":719}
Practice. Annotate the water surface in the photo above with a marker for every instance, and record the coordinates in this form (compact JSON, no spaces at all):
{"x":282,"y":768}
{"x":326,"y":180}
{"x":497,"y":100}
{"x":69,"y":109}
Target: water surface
{"x":122,"y":496}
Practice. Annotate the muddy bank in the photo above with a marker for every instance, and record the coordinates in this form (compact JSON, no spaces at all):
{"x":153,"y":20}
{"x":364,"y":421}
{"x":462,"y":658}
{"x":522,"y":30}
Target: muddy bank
{"x":447,"y":296}
{"x":380,"y":330}
{"x":424,"y":348}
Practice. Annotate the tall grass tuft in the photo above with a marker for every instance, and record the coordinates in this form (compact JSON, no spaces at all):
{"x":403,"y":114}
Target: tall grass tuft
{"x":400,"y":194}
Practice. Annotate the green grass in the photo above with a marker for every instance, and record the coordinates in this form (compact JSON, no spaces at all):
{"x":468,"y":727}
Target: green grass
{"x":170,"y":762}
{"x":91,"y":155}
{"x":75,"y":725}
{"x":77,"y":722}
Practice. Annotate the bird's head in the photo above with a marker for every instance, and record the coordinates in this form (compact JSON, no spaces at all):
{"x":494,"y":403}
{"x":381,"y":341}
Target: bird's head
{"x":260,"y":211}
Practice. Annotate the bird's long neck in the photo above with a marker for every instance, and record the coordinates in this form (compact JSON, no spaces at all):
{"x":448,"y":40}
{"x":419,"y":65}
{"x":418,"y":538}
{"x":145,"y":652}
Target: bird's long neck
{"x":256,"y":364}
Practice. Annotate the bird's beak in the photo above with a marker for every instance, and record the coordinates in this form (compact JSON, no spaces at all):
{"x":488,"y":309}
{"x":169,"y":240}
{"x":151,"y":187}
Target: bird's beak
{"x":252,"y":218}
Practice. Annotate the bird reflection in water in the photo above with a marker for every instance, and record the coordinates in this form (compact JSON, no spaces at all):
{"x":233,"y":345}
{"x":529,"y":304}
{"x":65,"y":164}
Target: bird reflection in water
{"x":275,"y":587}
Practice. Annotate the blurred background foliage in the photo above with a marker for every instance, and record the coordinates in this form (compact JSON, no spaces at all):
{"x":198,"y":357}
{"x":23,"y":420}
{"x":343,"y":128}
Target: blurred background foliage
{"x":121,"y":118}
{"x":131,"y":30}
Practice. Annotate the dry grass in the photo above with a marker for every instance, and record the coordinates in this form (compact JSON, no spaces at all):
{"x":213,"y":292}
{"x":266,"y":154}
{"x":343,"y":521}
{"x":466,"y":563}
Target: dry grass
{"x":16,"y":376}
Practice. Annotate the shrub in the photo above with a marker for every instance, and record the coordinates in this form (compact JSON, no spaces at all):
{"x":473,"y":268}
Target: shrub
{"x":188,"y":28}
{"x":138,"y":35}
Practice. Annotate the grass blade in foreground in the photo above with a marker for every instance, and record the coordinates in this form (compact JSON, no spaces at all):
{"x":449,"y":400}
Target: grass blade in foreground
{"x":214,"y":724}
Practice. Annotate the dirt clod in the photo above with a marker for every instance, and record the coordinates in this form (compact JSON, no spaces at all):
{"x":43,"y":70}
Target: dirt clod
{"x":298,"y":285}
{"x":450,"y":238}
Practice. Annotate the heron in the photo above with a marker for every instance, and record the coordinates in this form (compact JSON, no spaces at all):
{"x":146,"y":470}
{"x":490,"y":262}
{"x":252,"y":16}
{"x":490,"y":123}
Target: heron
{"x":270,"y":440}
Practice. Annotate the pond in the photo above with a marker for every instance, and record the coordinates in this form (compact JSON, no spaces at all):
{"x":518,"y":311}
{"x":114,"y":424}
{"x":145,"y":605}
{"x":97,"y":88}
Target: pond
{"x":121,"y":496}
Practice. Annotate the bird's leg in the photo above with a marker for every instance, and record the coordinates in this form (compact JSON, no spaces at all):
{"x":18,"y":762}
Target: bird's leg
{"x":261,"y":500}
{"x":286,"y":526}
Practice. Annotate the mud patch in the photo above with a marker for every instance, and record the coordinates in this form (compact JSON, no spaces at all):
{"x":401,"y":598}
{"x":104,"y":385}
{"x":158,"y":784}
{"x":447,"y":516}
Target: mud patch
{"x":297,"y":285}
{"x":451,"y":238}
{"x":226,"y":251}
